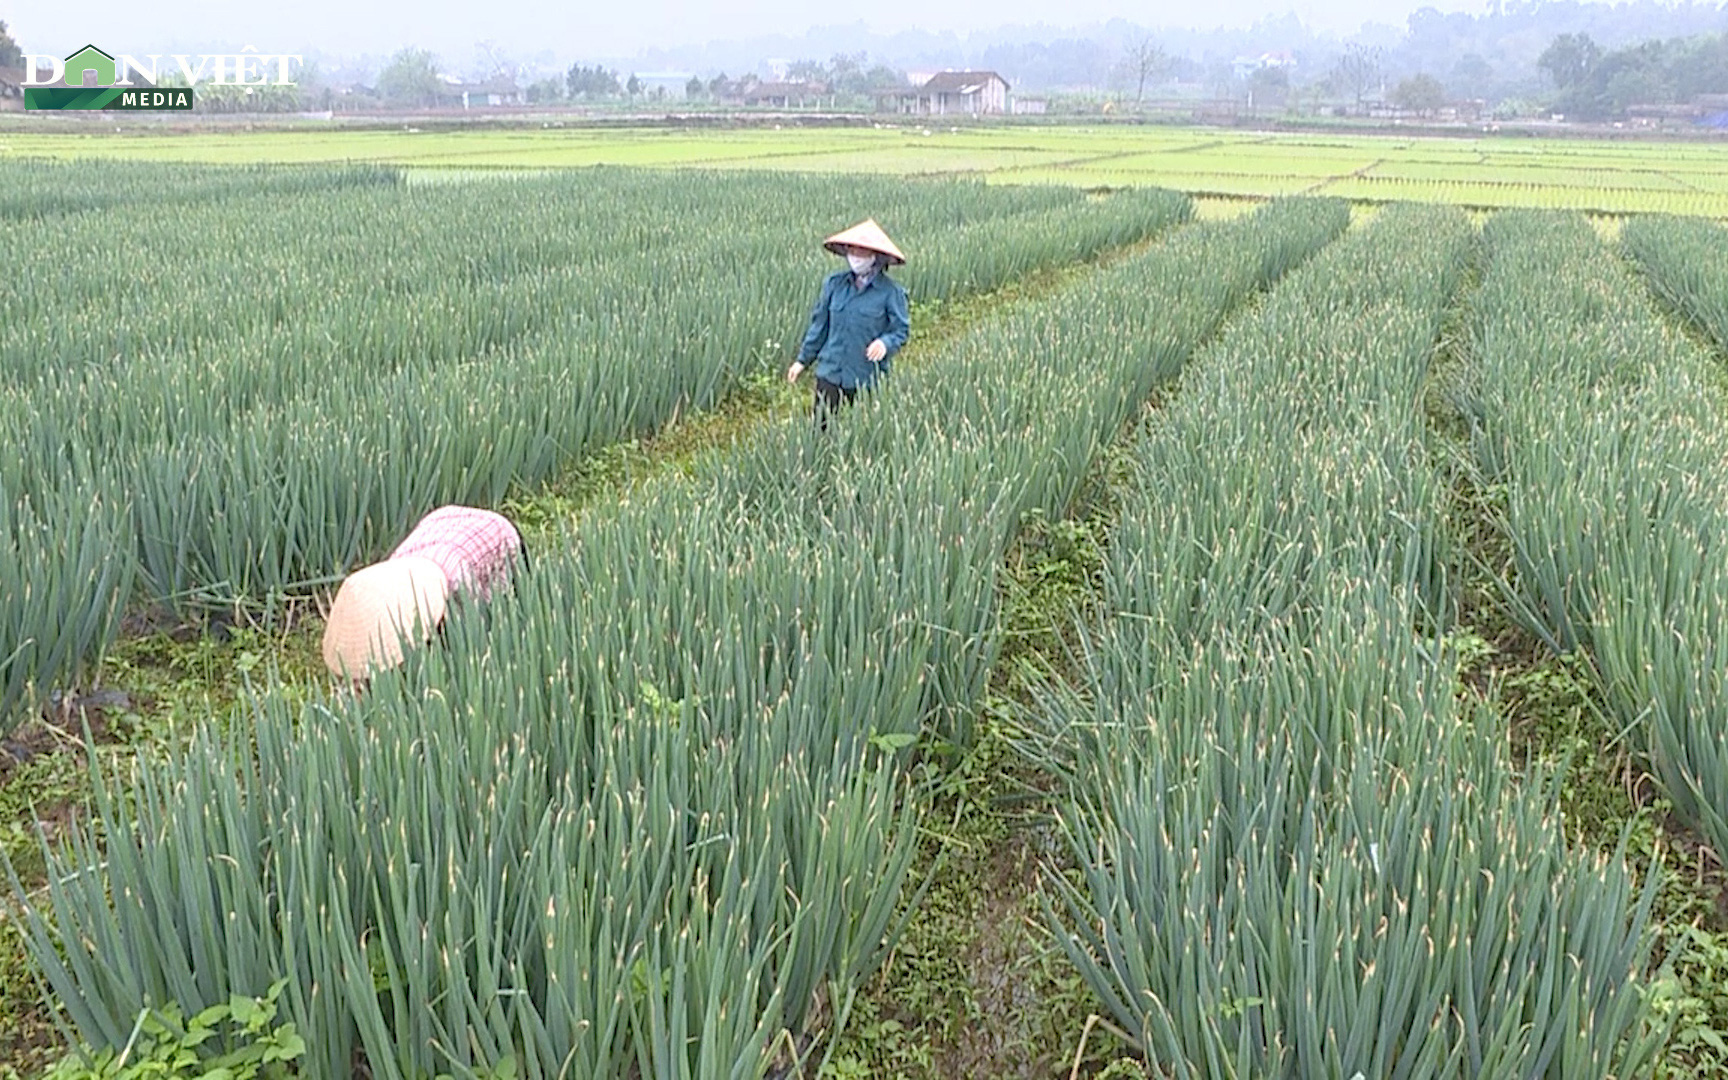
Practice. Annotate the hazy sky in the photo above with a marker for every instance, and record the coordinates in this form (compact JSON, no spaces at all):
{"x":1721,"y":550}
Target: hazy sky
{"x":576,"y":29}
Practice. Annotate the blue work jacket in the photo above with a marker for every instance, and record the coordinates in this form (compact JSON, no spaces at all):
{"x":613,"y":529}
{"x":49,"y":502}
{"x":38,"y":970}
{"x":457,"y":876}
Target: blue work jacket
{"x":846,"y":319}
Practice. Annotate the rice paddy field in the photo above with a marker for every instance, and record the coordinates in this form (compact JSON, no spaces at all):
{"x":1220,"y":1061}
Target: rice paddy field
{"x":1272,"y":622}
{"x":1603,"y":177}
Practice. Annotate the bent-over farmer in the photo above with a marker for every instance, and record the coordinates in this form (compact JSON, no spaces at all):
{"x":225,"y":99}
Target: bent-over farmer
{"x":860,"y":319}
{"x":402,"y":600}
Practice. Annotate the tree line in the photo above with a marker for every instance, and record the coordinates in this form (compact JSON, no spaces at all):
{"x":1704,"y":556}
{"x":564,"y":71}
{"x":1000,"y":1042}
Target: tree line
{"x":1435,"y":62}
{"x":1598,"y":84}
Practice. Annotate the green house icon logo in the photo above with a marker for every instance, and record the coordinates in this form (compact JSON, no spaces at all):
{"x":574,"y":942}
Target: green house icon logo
{"x":92,"y":80}
{"x":90,"y":66}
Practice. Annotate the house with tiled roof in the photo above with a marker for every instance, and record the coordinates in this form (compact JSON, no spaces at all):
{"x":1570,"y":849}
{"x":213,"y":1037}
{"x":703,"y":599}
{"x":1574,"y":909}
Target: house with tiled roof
{"x":498,"y":90}
{"x":784,"y":94}
{"x":955,"y":93}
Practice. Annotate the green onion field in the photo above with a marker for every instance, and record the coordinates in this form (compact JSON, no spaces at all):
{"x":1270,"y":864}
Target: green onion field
{"x":1272,"y":623}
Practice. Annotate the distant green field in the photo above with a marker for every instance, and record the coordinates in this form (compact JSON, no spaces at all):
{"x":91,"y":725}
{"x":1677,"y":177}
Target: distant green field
{"x":1597,"y":176}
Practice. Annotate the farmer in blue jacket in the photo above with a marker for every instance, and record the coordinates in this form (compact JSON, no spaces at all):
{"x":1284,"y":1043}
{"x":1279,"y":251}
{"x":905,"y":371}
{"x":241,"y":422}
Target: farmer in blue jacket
{"x":860,"y":320}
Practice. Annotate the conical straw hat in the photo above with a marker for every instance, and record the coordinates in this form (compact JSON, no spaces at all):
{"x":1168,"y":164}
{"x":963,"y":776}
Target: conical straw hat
{"x":379,"y":606}
{"x":865,"y":234}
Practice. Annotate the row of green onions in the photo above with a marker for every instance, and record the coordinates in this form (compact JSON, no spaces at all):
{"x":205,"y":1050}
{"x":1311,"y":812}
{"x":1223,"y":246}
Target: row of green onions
{"x":1614,"y":463}
{"x":1299,"y":853}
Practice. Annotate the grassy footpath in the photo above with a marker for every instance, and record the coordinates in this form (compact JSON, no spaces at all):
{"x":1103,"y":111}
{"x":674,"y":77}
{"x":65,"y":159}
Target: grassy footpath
{"x":163,"y":683}
{"x":976,"y":986}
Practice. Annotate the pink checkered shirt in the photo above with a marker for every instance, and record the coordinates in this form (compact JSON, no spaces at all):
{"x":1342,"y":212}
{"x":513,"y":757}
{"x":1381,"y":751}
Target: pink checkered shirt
{"x":474,"y":547}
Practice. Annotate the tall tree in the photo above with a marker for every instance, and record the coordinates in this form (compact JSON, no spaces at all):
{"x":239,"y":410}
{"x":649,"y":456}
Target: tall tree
{"x":1420,"y":93}
{"x":846,"y":71}
{"x":1470,"y":75}
{"x":594,"y":82}
{"x":1269,"y":86}
{"x":806,"y":71}
{"x":883,"y":77}
{"x":410,"y":78}
{"x":499,"y":66}
{"x":1569,"y":59}
{"x":11,"y":55}
{"x":1700,"y":66}
{"x":1358,"y":70}
{"x":544,"y":91}
{"x":1142,"y":61}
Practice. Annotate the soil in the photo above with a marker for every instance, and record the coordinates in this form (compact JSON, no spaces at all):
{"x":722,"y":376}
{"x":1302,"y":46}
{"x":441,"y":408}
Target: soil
{"x":61,"y":726}
{"x":30,"y":1044}
{"x":1005,"y":1044}
{"x":1695,"y":858}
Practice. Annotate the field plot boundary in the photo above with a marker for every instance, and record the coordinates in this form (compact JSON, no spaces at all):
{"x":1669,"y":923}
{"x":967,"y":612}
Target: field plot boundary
{"x":1537,"y":173}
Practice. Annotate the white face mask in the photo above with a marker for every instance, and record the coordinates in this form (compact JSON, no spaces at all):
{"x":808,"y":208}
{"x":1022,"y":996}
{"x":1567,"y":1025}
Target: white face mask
{"x":862,"y":264}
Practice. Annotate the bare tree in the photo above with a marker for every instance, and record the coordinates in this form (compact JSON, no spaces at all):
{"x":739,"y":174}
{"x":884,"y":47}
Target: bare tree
{"x":1142,"y":61}
{"x":499,"y":66}
{"x":1357,"y":70}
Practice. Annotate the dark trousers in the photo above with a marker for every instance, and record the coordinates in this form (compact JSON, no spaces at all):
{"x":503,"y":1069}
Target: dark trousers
{"x":829,"y":398}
